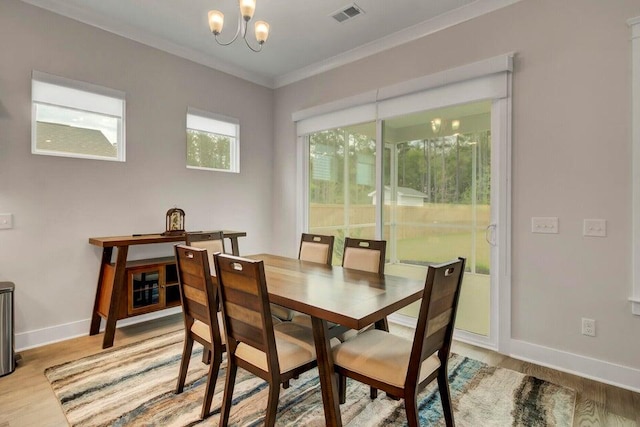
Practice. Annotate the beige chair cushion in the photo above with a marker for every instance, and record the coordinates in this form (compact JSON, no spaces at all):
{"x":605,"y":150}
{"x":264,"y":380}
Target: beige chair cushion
{"x":281,"y":312}
{"x":294,"y":344}
{"x":382,"y":356}
{"x":212,"y":246}
{"x":362,"y":259}
{"x":202,"y":330}
{"x":314,"y":252}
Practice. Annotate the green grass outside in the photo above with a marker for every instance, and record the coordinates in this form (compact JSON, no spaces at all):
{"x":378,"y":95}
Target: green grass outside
{"x":443,"y":247}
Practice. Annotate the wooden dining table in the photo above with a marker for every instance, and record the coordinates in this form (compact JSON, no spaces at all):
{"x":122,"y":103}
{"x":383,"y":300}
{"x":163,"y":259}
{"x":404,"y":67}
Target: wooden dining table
{"x":351,"y":298}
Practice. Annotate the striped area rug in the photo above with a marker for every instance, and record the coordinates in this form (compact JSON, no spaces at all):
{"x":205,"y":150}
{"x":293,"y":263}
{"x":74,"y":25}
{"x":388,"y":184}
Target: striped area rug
{"x":133,"y":386}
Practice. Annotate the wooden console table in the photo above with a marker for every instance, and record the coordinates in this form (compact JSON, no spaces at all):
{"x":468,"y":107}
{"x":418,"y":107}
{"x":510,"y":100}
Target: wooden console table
{"x":113,"y":303}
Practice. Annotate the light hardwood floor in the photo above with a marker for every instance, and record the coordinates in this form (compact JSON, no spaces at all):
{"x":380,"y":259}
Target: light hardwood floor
{"x":26,"y":398}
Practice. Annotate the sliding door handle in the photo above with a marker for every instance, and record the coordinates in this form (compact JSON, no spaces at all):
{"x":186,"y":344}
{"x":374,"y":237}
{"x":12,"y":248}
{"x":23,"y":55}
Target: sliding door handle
{"x":490,"y":234}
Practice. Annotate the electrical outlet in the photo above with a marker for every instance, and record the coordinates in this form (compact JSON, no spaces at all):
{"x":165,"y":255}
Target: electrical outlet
{"x":588,"y":327}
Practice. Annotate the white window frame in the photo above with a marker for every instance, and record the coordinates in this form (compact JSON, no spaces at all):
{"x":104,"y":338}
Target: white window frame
{"x":635,"y":143}
{"x":56,"y":91}
{"x":197,"y":121}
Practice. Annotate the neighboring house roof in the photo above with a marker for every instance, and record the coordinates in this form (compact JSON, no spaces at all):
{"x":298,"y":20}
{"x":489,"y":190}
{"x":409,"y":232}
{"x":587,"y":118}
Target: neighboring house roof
{"x":65,"y":138}
{"x":403,"y":191}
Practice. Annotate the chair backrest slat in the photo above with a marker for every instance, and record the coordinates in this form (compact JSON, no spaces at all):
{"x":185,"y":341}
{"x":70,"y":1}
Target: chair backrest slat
{"x":195,"y":295}
{"x":365,"y":255}
{"x":245,"y":301}
{"x":197,"y":292}
{"x":316,"y":248}
{"x":434,"y":330}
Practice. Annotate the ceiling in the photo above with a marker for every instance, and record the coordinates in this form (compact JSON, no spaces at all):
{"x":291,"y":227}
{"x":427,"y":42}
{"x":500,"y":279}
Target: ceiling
{"x":304,"y":38}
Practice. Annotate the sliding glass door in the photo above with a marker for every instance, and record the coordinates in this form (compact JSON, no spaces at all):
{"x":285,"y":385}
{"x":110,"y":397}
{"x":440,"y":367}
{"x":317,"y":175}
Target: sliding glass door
{"x":437,"y":200}
{"x":424,"y":165}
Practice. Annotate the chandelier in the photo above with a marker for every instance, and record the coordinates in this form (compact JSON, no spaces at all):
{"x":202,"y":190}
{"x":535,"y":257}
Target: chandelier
{"x":247,"y":7}
{"x":437,"y":125}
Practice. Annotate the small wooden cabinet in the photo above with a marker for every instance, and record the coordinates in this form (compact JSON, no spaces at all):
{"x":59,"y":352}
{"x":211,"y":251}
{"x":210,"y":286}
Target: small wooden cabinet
{"x":152,"y":284}
{"x":129,"y":288}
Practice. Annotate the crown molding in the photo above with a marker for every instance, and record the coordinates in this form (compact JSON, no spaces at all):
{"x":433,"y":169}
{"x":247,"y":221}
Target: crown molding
{"x":438,"y":23}
{"x":63,"y":8}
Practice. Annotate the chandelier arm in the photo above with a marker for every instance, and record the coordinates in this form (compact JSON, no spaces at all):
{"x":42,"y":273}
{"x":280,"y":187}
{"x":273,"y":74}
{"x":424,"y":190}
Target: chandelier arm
{"x":244,"y":36}
{"x":241,"y":27}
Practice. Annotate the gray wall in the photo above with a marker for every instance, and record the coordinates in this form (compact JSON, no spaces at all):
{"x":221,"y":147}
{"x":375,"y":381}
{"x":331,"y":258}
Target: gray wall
{"x":58,"y":203}
{"x":571,"y":158}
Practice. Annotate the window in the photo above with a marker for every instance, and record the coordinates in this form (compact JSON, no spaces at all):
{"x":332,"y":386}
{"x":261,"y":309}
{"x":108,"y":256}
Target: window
{"x":341,"y":167}
{"x":76,"y":119}
{"x":212,"y":142}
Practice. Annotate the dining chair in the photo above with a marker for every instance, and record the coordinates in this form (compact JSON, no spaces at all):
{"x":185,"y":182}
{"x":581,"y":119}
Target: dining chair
{"x":364,"y":255}
{"x":316,"y":248}
{"x":399,"y":366}
{"x":275,"y":353}
{"x":212,"y":241}
{"x":202,"y":321}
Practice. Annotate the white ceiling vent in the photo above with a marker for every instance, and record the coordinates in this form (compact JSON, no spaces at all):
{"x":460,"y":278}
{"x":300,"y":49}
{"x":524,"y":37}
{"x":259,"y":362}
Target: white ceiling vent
{"x":350,"y":11}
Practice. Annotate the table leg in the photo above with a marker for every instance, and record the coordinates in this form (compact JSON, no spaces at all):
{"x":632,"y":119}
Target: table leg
{"x":328,"y":382}
{"x":235,"y":249}
{"x":119,"y":283}
{"x":95,"y":317}
{"x":382,"y":325}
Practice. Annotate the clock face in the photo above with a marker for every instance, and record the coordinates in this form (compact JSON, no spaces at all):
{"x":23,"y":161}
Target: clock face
{"x":175,"y":220}
{"x":174,"y":223}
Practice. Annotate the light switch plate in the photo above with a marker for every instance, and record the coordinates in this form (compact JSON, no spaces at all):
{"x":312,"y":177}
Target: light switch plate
{"x":547,"y":225}
{"x":6,"y":220}
{"x":595,"y":228}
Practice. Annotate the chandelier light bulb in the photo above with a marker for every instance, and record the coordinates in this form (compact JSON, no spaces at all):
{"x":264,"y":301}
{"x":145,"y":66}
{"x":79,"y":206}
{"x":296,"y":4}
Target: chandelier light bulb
{"x":216,"y":21}
{"x":247,"y":7}
{"x":455,"y":124}
{"x":262,"y":31}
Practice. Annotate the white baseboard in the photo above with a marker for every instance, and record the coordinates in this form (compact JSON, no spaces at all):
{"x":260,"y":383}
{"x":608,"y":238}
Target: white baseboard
{"x":50,"y":335}
{"x":402,"y":320}
{"x":583,"y":366}
{"x":587,"y":367}
{"x":463,"y":336}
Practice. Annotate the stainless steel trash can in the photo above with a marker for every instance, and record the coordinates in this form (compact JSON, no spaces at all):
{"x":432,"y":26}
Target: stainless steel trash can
{"x":7,"y":346}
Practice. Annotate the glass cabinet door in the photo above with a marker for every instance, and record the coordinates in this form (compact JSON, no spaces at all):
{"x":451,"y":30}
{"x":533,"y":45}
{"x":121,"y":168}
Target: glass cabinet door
{"x":145,"y":290}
